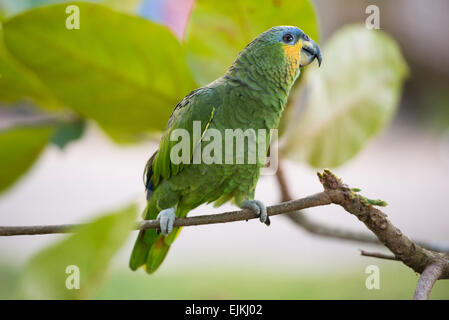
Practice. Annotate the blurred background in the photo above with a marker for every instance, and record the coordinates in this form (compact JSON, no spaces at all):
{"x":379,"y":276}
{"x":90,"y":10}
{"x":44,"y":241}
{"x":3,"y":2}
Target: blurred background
{"x":406,"y":164}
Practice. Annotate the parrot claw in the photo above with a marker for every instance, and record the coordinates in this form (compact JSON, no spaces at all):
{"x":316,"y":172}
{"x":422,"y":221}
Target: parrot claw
{"x":259,"y":208}
{"x":166,"y":219}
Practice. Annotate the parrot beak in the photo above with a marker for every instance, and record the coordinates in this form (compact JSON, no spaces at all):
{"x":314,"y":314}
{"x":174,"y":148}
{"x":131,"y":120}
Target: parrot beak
{"x":310,"y":50}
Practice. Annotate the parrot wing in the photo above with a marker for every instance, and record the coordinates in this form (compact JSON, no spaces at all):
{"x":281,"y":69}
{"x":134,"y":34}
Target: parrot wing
{"x":199,"y":105}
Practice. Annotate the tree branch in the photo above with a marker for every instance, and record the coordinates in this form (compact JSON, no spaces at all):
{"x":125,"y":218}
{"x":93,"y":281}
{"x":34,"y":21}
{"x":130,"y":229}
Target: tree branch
{"x":26,"y":117}
{"x":319,"y":199}
{"x":378,"y":255}
{"x":428,"y":278}
{"x":432,"y":264}
{"x":301,"y":220}
{"x":317,"y":228}
{"x":409,"y":252}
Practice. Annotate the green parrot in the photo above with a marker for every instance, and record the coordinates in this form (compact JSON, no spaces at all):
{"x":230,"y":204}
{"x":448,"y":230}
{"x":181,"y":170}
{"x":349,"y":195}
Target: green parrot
{"x":250,"y":95}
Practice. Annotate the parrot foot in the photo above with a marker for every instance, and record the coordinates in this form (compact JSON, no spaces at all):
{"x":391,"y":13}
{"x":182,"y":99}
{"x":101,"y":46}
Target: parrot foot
{"x":166,"y":219}
{"x":259,"y":208}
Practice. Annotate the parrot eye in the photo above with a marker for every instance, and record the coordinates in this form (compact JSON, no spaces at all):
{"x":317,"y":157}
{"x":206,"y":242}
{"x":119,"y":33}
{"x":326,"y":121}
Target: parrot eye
{"x":287,"y":38}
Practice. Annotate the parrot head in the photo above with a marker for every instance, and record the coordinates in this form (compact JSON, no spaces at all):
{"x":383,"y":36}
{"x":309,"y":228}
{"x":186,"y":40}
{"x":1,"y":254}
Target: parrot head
{"x":280,"y":52}
{"x":299,"y":49}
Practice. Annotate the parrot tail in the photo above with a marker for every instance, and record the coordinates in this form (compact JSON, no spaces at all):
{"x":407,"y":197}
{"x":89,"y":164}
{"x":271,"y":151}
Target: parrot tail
{"x":151,"y":247}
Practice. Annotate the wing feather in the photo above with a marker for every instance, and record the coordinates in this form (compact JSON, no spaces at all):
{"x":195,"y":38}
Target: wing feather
{"x":199,"y":105}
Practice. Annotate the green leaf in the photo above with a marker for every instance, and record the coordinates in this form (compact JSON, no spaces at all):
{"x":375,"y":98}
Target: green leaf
{"x":13,"y":6}
{"x":68,"y":132}
{"x":19,"y":148}
{"x":18,"y":83}
{"x":89,"y":250}
{"x":125,"y":72}
{"x":130,"y":6}
{"x":348,"y":100}
{"x":219,"y":30}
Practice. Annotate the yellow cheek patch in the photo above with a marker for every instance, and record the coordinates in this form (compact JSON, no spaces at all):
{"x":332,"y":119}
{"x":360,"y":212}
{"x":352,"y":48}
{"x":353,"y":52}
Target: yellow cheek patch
{"x":293,"y":53}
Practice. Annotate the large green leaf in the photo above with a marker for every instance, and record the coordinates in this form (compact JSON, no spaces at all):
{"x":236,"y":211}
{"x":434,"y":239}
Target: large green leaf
{"x":86,"y":253}
{"x":218,"y":30}
{"x":16,"y":6}
{"x":18,"y":83}
{"x":123,"y":71}
{"x":349,"y":99}
{"x":19,"y":148}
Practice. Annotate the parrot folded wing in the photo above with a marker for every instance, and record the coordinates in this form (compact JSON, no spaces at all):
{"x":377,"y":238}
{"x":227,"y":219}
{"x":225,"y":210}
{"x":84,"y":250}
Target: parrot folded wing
{"x":199,"y":105}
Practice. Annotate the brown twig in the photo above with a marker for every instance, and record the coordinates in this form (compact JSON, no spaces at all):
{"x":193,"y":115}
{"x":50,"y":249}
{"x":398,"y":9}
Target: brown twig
{"x":319,"y":199}
{"x":317,"y":228}
{"x":409,"y":252}
{"x":26,"y":117}
{"x":378,"y":255}
{"x":428,"y":278}
{"x":320,"y":229}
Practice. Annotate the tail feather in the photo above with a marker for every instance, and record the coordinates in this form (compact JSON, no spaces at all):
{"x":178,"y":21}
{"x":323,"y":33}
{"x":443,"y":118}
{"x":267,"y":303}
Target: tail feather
{"x":156,"y":255}
{"x":141,"y":247}
{"x":151,"y":248}
{"x":139,"y":253}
